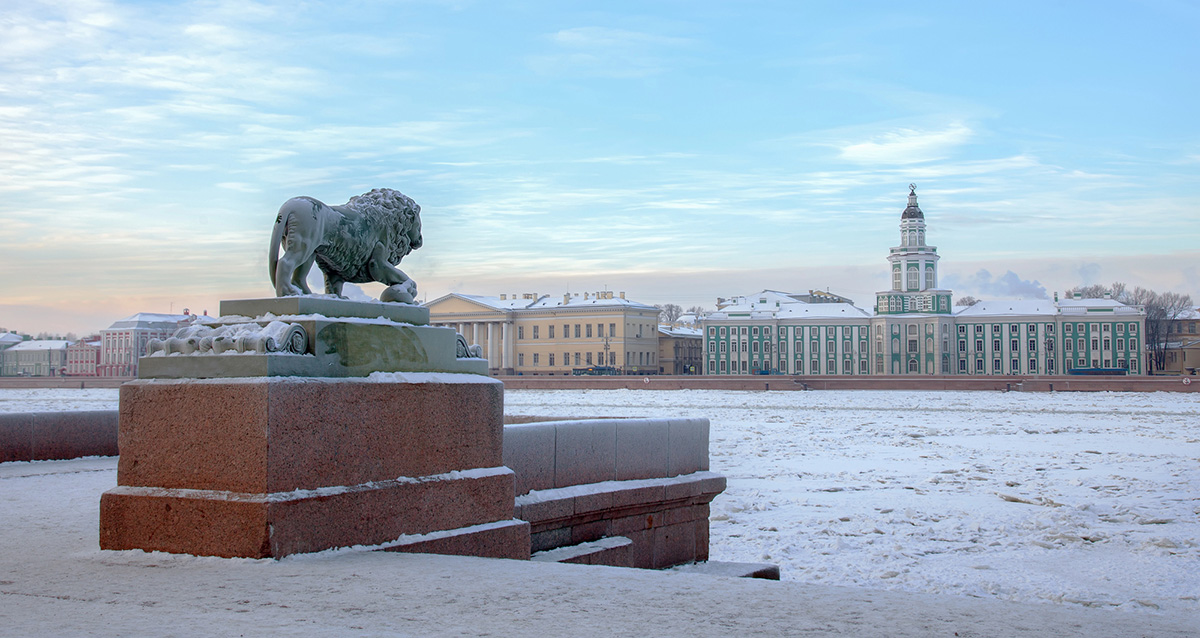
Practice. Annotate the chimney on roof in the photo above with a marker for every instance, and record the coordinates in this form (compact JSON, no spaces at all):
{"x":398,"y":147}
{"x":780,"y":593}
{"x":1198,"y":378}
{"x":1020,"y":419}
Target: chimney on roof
{"x":1077,"y":295}
{"x":567,"y":298}
{"x":585,"y":296}
{"x":503,"y":297}
{"x":622,"y":294}
{"x":1108,"y":295}
{"x":1056,"y":296}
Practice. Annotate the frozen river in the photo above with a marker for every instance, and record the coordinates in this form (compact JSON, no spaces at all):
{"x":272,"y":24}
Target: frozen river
{"x":1077,"y":498}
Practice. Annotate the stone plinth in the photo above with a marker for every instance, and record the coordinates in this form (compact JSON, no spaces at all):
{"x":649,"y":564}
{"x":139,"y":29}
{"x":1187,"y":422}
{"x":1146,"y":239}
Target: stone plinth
{"x":270,"y":466}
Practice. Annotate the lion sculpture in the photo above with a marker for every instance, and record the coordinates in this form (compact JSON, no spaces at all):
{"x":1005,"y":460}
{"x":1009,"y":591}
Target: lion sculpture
{"x":359,"y":241}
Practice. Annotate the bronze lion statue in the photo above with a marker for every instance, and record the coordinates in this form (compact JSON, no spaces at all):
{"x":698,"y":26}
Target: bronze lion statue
{"x":359,"y":241}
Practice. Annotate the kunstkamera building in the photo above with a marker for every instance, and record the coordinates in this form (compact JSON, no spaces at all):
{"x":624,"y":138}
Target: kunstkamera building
{"x":915,"y":329}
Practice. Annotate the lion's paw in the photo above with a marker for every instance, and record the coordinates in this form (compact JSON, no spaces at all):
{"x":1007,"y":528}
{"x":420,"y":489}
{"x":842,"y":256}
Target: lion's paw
{"x":400,"y":293}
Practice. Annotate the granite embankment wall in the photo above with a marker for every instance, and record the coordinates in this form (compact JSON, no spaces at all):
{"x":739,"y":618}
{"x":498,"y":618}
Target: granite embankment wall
{"x":620,"y":492}
{"x":23,"y":383}
{"x":786,"y":383}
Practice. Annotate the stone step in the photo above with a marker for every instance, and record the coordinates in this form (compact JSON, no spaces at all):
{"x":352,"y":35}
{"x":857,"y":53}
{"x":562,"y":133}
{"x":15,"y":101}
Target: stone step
{"x":765,"y":571}
{"x":610,"y":550}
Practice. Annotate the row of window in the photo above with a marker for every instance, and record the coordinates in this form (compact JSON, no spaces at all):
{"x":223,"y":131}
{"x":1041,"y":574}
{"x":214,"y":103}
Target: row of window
{"x":585,"y":358}
{"x":749,"y":367}
{"x":581,"y":331}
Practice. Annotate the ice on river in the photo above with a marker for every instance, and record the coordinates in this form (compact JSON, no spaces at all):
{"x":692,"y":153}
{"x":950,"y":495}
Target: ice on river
{"x":1083,"y":498}
{"x":1076,"y":498}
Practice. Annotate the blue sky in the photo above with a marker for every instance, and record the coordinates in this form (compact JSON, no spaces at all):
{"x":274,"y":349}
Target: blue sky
{"x":678,"y":151}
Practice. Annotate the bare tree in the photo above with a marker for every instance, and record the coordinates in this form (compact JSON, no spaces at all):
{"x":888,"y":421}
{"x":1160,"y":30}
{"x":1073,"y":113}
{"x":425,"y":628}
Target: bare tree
{"x":697,"y":310}
{"x":967,"y":300}
{"x":1162,"y":309}
{"x":1097,"y":291}
{"x":668,"y":313}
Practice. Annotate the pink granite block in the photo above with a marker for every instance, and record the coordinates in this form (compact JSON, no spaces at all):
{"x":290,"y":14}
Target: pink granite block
{"x":688,"y":445}
{"x":584,"y":452}
{"x":69,"y":435}
{"x":627,"y":525}
{"x":509,"y":539}
{"x":354,"y":431}
{"x":641,"y":551}
{"x":585,"y":532}
{"x":194,"y":435}
{"x":682,"y":489}
{"x":284,"y":433}
{"x":632,"y":496}
{"x":701,"y":532}
{"x":685,"y":514}
{"x":674,"y":545}
{"x":377,"y":515}
{"x":539,"y":512}
{"x":214,"y":523}
{"x":597,"y":501}
{"x":529,"y":451}
{"x":641,"y":449}
{"x":182,"y":525}
{"x":540,"y":541}
{"x":16,"y":437}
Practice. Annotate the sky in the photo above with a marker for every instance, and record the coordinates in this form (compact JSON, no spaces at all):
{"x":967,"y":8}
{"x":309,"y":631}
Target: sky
{"x":675,"y":151}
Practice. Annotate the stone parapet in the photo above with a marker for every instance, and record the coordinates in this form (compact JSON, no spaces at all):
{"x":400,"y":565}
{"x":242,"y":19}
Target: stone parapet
{"x":554,"y":454}
{"x":43,"y":436}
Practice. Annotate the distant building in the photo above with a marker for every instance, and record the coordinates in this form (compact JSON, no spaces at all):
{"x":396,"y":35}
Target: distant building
{"x":1183,"y":344}
{"x":680,"y":350}
{"x":9,"y":339}
{"x":543,"y":335}
{"x":38,"y":358}
{"x":83,"y":357}
{"x":916,"y":331}
{"x":122,"y":343}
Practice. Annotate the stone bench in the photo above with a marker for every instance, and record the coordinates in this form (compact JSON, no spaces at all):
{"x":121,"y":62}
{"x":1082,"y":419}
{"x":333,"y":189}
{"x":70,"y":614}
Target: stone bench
{"x":643,"y":479}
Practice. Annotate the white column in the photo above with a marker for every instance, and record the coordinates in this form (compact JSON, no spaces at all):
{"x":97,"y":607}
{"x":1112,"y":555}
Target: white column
{"x":491,"y":345}
{"x":506,"y":346}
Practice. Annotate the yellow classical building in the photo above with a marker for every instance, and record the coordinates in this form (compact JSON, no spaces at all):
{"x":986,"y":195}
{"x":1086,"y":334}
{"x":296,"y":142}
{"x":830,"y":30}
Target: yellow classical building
{"x":553,"y":335}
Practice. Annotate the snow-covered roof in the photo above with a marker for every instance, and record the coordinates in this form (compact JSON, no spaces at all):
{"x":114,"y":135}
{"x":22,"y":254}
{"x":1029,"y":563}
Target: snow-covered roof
{"x":40,"y":344}
{"x":821,"y":310}
{"x":547,"y":301}
{"x":1009,"y":307}
{"x":551,"y":301}
{"x":149,"y":320}
{"x":8,"y":338}
{"x":494,"y":303}
{"x":680,"y":332}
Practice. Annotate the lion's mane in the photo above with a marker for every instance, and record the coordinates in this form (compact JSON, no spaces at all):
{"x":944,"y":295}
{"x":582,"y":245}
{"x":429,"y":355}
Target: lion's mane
{"x":383,"y":213}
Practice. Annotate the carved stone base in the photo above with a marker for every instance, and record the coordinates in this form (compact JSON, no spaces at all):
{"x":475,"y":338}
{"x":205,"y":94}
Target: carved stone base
{"x":309,"y":337}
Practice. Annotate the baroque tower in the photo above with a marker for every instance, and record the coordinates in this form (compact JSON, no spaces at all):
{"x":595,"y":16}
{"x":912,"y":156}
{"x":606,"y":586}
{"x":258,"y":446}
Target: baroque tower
{"x":913,"y":269}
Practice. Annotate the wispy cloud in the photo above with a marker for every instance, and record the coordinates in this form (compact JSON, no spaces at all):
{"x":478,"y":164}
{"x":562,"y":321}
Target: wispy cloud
{"x":907,"y":145}
{"x":607,"y":52}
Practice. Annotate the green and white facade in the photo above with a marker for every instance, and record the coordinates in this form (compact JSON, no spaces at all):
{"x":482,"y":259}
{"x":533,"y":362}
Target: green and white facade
{"x":915,"y":330}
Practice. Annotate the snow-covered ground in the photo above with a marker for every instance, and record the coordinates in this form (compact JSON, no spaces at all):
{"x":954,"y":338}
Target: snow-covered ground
{"x":1085,"y":499}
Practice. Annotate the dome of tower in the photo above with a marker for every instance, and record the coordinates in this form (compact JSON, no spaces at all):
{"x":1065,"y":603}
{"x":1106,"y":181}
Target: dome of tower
{"x":912,"y":211}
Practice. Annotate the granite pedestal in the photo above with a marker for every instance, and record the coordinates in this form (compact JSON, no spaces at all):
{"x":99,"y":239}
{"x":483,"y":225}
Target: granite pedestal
{"x":271,"y":465}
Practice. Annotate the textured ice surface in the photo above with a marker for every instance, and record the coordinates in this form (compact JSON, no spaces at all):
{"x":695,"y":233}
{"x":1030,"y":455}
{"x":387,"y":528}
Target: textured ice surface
{"x":1085,"y":498}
